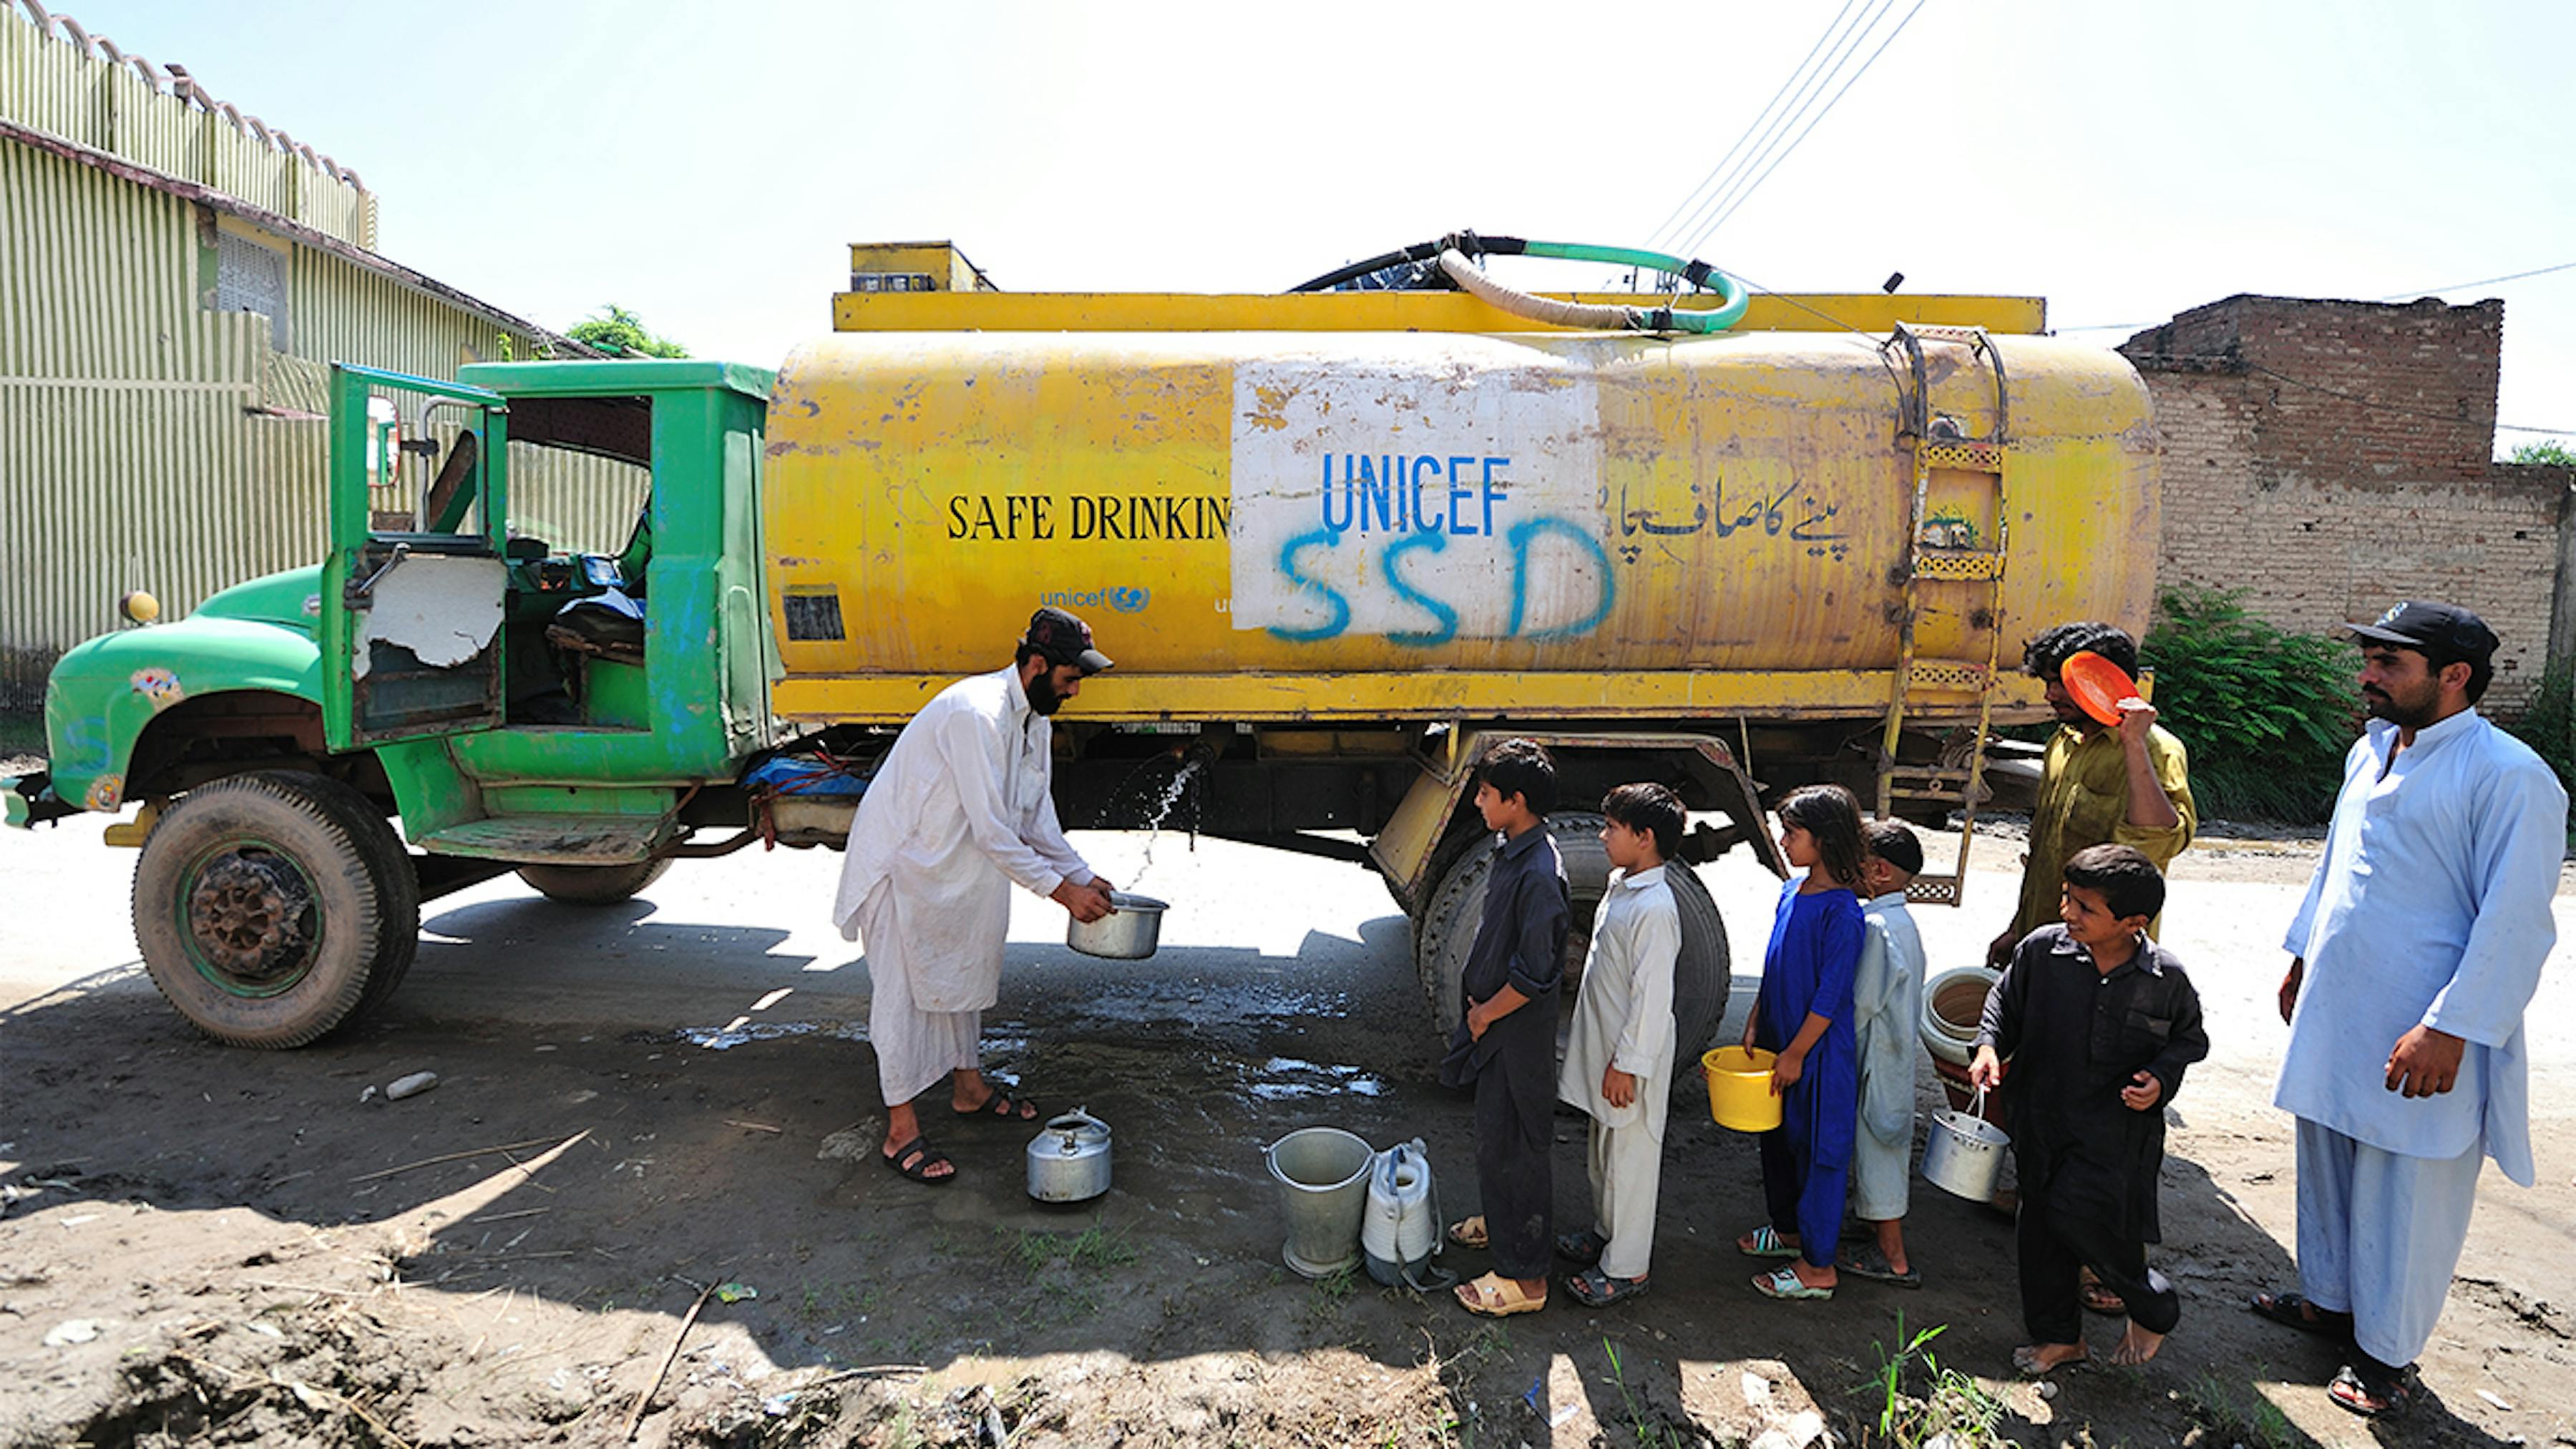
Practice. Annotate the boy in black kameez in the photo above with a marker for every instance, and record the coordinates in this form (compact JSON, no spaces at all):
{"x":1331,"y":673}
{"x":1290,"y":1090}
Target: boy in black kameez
{"x":2099,"y":1022}
{"x":1506,"y":1046}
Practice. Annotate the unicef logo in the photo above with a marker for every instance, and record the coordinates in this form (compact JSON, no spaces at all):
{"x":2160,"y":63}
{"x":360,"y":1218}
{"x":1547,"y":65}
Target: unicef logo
{"x":1124,"y":601}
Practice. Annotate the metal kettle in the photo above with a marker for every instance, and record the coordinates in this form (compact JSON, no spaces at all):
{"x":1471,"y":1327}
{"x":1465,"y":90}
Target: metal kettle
{"x":1069,"y":1159}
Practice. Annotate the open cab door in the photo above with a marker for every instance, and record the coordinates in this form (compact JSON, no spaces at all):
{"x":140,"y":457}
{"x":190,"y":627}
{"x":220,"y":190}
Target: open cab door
{"x":414,"y":588}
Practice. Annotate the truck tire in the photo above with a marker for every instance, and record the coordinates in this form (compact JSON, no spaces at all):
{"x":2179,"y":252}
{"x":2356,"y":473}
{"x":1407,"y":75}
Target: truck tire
{"x":1701,"y":978}
{"x":592,"y":885}
{"x":270,"y":906}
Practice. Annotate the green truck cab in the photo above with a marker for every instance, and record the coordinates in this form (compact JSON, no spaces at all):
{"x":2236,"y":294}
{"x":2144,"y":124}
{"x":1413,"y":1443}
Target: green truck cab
{"x":270,"y":734}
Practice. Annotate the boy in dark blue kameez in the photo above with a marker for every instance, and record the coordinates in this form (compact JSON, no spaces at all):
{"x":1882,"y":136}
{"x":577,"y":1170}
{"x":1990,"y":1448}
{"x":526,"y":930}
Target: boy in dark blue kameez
{"x":1507,"y":1042}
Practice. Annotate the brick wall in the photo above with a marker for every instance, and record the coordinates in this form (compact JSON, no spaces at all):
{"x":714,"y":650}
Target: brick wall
{"x":2331,"y":458}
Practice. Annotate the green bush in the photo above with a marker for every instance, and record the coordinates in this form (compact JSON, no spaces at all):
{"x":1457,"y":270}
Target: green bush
{"x":2268,"y":715}
{"x":2548,"y":722}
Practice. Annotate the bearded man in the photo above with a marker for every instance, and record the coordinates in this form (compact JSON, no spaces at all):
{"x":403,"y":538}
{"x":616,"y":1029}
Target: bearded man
{"x":959,"y":810}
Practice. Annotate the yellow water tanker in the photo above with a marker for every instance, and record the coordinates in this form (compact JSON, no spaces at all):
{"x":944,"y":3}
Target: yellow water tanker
{"x":1368,"y":524}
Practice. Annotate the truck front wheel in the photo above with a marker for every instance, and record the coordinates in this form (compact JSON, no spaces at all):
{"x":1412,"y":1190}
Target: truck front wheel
{"x":1701,"y":978}
{"x":592,"y":885}
{"x":267,"y":905}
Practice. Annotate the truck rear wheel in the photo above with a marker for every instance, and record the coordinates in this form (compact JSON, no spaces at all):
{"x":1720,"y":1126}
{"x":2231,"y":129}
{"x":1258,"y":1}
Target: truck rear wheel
{"x":1447,"y":930}
{"x":592,"y":885}
{"x":270,"y":907}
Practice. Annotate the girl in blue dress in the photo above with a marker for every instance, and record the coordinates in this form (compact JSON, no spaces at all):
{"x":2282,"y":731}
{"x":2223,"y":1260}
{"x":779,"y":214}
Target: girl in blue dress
{"x":1803,"y":1014}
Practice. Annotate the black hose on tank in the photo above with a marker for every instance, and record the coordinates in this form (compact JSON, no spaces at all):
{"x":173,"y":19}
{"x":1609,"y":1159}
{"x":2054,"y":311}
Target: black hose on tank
{"x":1420,"y":252}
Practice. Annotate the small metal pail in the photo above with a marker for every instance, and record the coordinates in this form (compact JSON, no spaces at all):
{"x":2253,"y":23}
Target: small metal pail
{"x":1128,"y":934}
{"x":1964,"y":1154}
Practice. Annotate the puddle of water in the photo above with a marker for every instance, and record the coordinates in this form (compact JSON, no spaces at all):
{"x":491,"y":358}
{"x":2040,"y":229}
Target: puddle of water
{"x":1203,"y":1006}
{"x":1291,"y":1079}
{"x":724,"y":1038}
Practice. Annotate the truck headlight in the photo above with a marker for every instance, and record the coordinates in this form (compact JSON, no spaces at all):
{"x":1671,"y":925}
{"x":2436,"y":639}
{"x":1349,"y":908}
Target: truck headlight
{"x":139,"y":607}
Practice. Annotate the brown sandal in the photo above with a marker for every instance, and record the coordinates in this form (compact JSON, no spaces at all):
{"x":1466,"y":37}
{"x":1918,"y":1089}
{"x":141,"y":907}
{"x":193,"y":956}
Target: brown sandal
{"x":1469,"y":1232}
{"x":1493,"y":1296}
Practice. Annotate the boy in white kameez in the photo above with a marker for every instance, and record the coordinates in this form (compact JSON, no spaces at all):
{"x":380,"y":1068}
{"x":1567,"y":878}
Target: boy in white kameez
{"x":1887,"y":1005}
{"x":1619,"y":1060}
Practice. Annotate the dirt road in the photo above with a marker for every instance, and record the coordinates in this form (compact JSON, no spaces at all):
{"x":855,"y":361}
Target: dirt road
{"x":643,"y":1103}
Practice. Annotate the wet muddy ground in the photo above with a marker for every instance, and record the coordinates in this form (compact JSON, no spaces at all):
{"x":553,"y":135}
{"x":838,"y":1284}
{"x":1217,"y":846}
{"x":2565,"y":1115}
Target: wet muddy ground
{"x":656,"y":1122}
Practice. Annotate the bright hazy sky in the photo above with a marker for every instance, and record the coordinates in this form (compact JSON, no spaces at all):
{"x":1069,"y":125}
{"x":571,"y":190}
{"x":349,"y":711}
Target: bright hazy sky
{"x":704,"y":164}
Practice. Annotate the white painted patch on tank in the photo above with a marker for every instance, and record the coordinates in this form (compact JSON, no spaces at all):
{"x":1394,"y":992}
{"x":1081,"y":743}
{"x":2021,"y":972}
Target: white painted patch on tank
{"x":1443,"y":488}
{"x":444,"y":610}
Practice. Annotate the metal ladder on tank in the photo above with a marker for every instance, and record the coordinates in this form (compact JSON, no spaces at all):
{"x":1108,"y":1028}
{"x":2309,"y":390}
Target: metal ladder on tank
{"x":1965,"y":572}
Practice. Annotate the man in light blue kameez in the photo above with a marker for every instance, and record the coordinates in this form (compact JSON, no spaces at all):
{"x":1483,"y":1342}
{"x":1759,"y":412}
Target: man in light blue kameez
{"x":2418,"y":947}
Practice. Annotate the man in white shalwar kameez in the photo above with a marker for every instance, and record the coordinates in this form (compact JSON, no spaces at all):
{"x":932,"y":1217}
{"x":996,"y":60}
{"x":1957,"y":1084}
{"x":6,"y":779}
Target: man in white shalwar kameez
{"x":2415,"y":953}
{"x":1887,"y":1013}
{"x":1619,"y":1057}
{"x":958,"y":811}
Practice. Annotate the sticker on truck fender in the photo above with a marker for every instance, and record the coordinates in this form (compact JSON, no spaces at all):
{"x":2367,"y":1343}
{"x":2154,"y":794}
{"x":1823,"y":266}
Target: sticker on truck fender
{"x":1452,"y":493}
{"x":159,"y":686}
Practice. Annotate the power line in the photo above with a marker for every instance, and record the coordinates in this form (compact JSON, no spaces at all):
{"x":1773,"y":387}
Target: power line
{"x":1779,"y":124}
{"x":2407,"y":295}
{"x":2480,"y":282}
{"x":1692,"y":198}
{"x":1811,"y":125}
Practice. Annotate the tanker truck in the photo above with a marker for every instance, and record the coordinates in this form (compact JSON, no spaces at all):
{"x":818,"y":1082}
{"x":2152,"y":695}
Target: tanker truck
{"x":1339,"y":542}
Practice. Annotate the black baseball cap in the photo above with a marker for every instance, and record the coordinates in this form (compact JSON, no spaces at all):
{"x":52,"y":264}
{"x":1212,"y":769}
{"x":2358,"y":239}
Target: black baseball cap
{"x":2433,"y":629}
{"x":1064,"y":639}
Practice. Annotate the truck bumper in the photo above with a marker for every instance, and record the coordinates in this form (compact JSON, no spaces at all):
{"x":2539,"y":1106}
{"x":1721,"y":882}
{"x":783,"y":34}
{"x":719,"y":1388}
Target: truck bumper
{"x":29,"y":801}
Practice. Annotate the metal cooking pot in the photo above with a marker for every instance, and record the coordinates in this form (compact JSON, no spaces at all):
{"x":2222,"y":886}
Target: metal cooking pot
{"x":1128,"y":934}
{"x":1069,"y":1159}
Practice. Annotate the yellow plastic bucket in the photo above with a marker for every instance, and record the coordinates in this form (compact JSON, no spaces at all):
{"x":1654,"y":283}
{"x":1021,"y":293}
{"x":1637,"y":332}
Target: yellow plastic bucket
{"x":1739,"y":1088}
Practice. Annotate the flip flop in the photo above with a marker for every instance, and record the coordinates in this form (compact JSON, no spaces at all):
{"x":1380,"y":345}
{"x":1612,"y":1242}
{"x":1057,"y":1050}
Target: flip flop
{"x":2026,"y":1362}
{"x":1596,"y":1289}
{"x":1584,"y":1248}
{"x":2099,"y":1299}
{"x":2293,"y":1310}
{"x":1468,"y":1232}
{"x":2365,"y":1390}
{"x":1003,"y":1107}
{"x":1496,"y":1297}
{"x":1766,"y":1244}
{"x":1872,"y":1264}
{"x":922,"y":1157}
{"x":1785,"y":1283}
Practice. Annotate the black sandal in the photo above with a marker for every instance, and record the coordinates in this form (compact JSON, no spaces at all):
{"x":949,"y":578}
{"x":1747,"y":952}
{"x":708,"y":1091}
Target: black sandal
{"x":1003,"y":1107}
{"x":1596,"y":1289}
{"x":2293,"y":1310}
{"x":914,"y":1159}
{"x":1582,"y":1249}
{"x":2373,"y":1392}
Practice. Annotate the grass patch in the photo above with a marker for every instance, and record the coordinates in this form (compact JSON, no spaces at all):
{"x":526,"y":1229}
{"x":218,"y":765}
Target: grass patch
{"x":1095,"y":1249}
{"x":1653,"y":1434}
{"x":1920,"y":1401}
{"x":2255,"y":1422}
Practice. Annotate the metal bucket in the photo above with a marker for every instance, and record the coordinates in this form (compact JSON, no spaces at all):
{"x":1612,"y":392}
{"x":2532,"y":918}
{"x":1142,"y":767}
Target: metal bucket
{"x":1127,"y":934}
{"x":1964,"y":1154}
{"x":1323,"y":1177}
